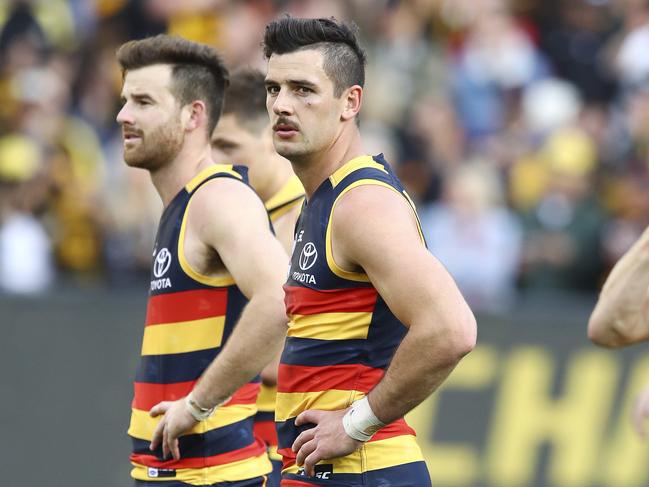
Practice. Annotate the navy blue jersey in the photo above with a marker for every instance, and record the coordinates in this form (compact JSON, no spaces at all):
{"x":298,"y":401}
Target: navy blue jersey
{"x":341,"y":334}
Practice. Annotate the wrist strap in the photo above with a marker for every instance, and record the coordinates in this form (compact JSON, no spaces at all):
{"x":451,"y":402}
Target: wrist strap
{"x":360,"y":422}
{"x":198,"y":412}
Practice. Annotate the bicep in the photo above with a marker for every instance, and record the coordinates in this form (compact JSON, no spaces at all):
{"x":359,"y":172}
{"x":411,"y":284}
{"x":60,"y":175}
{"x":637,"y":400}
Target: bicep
{"x":386,"y":244}
{"x":242,"y":238}
{"x":413,"y":283}
{"x":254,"y":258}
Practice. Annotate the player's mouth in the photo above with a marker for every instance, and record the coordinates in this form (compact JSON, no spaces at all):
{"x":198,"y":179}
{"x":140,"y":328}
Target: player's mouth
{"x":131,"y":137}
{"x":285,"y":130}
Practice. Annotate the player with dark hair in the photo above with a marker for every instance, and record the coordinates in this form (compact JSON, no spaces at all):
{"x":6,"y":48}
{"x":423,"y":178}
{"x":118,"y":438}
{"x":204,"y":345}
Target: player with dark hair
{"x":375,"y":322}
{"x":243,"y":135}
{"x":215,"y":314}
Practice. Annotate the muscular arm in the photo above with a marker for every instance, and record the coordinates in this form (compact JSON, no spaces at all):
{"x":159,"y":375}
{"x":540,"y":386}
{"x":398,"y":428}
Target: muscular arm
{"x":257,"y":262}
{"x":418,"y":290}
{"x":621,"y":315}
{"x":375,"y":230}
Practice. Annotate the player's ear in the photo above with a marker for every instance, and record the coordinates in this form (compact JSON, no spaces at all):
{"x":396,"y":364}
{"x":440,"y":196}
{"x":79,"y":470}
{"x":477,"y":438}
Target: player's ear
{"x":352,"y":98}
{"x":193,"y":115}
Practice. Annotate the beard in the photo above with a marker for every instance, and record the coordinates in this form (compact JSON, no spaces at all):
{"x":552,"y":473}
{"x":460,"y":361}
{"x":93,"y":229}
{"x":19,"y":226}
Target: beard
{"x":157,"y":147}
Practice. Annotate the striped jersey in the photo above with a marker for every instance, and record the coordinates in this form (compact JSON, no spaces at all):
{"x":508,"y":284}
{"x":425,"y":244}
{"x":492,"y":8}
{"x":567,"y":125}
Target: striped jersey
{"x":341,"y":334}
{"x":189,"y":318}
{"x":288,"y":197}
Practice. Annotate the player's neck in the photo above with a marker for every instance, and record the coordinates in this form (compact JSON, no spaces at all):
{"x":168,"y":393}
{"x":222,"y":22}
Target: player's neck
{"x":170,"y":179}
{"x":314,"y":168}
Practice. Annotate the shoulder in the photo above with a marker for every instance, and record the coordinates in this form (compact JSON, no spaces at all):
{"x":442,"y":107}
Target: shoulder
{"x":370,"y":211}
{"x":225,"y":201}
{"x":371,"y":198}
{"x":225,"y":192}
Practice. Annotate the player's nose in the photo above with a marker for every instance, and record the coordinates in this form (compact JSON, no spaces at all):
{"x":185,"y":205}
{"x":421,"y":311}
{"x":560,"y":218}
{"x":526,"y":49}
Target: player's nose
{"x":124,"y":115}
{"x":282,"y":104}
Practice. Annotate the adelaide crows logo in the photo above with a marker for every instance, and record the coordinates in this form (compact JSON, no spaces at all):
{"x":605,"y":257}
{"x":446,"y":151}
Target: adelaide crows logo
{"x":308,"y":256}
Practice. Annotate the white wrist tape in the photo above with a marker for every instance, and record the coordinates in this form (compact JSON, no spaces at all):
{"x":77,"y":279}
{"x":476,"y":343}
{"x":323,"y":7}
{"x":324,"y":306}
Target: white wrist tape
{"x":360,"y":422}
{"x":199,"y":413}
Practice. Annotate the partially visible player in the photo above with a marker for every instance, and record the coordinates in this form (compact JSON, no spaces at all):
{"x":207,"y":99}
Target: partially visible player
{"x":376,"y":323}
{"x":243,"y":135}
{"x":215,"y":314}
{"x":621,"y":315}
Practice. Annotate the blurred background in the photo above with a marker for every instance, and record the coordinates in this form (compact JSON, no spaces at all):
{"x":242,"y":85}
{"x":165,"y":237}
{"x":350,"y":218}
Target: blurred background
{"x":521,"y":130}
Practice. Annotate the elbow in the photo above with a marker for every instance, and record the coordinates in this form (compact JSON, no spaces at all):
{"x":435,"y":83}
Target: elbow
{"x":607,"y":334}
{"x":273,"y":307}
{"x":602,"y":341}
{"x":616,"y":329}
{"x":596,"y":335}
{"x":468,"y":335}
{"x":463,"y":338}
{"x":280,"y":312}
{"x":447,"y":340}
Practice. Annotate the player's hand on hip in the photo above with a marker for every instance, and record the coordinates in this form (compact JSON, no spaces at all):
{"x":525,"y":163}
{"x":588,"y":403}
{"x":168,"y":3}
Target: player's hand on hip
{"x":327,"y":439}
{"x":640,"y":413}
{"x":176,"y":421}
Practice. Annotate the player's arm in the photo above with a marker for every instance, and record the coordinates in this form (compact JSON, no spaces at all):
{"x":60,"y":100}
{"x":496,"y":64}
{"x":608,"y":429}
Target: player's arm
{"x":374,"y":228}
{"x":416,"y":288}
{"x":621,"y":315}
{"x":252,"y":255}
{"x":258,"y":263}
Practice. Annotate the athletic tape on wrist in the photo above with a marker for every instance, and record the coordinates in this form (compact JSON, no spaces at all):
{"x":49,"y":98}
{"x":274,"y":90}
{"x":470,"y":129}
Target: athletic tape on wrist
{"x":198,"y":413}
{"x":360,"y":422}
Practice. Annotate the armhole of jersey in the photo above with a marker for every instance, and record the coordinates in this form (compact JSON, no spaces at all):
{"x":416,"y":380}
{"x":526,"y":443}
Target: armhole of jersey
{"x":361,"y":276}
{"x":209,"y":171}
{"x":187,"y":268}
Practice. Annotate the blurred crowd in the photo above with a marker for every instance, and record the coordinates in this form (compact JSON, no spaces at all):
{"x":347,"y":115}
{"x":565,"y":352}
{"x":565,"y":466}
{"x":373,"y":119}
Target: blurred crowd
{"x":520,"y":128}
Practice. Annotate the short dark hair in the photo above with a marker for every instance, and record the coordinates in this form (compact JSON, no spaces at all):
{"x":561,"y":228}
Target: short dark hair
{"x":344,"y":60}
{"x":245,"y":98}
{"x":197,"y":71}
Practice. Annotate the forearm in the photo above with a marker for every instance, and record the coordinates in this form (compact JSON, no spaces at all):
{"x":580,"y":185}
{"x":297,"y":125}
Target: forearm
{"x":256,"y":339}
{"x":620,"y":316}
{"x":422,"y":362}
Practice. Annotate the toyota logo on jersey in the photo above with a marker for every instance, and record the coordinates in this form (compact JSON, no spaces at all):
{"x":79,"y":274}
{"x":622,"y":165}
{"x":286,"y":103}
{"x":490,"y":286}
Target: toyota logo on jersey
{"x":308,"y":256}
{"x":162,"y":263}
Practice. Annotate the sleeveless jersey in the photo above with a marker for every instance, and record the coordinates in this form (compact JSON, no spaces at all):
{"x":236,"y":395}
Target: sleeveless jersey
{"x":189,"y":318}
{"x":287,"y":198}
{"x":341,"y":334}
